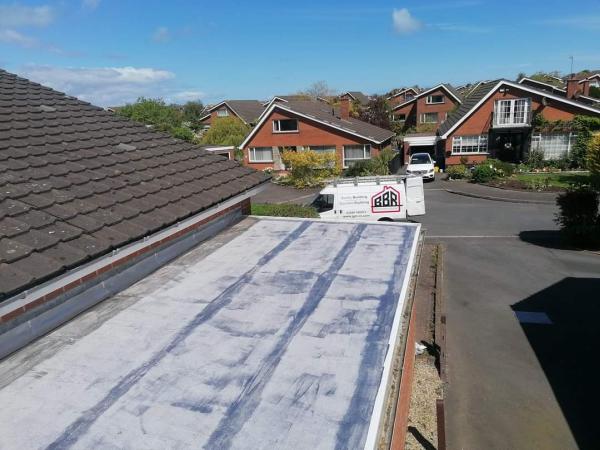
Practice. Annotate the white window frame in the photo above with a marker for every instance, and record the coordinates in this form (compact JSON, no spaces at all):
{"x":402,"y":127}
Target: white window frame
{"x":366,"y":154}
{"x":252,"y":155}
{"x":507,"y":111}
{"x":276,"y":127}
{"x":423,"y":115}
{"x":430,"y":101}
{"x":550,"y":152}
{"x":223,"y":112}
{"x":401,"y":120}
{"x":482,"y":144}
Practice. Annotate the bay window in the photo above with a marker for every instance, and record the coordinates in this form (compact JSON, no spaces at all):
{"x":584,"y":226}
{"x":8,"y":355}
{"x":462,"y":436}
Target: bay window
{"x":553,"y":145}
{"x":512,"y":112}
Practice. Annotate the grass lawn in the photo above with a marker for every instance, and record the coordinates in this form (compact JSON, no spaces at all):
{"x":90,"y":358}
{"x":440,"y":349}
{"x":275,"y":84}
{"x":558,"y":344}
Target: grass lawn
{"x":283,"y":210}
{"x":560,"y":180}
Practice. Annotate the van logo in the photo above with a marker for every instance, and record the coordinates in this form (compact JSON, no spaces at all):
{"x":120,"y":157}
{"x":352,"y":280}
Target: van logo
{"x":386,"y":201}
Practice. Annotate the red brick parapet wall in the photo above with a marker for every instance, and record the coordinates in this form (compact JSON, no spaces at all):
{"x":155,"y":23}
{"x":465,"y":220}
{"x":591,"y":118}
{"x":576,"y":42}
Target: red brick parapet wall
{"x":404,"y":394}
{"x":244,"y":205}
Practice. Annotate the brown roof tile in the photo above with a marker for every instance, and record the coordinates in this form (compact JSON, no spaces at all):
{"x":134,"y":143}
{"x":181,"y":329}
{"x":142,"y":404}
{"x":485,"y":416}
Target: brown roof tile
{"x":77,"y":181}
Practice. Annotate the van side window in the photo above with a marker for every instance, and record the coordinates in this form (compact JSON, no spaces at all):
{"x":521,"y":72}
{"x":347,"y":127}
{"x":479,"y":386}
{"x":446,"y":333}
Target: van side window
{"x":324,"y":202}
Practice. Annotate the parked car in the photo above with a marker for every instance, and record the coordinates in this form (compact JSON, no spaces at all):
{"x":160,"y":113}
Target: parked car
{"x":421,"y":164}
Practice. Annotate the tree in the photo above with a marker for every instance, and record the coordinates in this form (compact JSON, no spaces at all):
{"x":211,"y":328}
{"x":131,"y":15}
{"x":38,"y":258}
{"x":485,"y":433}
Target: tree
{"x":593,"y":155}
{"x":377,"y":112}
{"x":192,"y":111}
{"x":318,"y":89}
{"x":594,"y":92}
{"x":163,"y":117}
{"x":226,"y":131}
{"x":552,"y":78}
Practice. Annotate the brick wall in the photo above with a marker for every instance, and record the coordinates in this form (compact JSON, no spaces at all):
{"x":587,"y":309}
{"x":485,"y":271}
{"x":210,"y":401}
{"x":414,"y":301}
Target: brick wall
{"x":309,"y":133}
{"x":481,"y":120}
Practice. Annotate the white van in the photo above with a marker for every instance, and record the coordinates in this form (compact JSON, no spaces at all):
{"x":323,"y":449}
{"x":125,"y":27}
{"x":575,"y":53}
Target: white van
{"x":372,"y":198}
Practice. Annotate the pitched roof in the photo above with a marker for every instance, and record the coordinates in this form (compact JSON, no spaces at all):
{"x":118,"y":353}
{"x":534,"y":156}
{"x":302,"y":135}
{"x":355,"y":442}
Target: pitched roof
{"x":470,"y":101}
{"x":77,"y":181}
{"x":445,"y":86}
{"x":358,"y":96}
{"x":402,"y":91}
{"x":326,"y":115}
{"x":247,"y":110}
{"x":562,"y":92}
{"x":480,"y":93}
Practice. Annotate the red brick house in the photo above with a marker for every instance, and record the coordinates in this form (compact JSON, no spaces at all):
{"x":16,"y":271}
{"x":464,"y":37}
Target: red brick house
{"x":403,"y":95}
{"x":299,"y":125}
{"x":247,"y":111}
{"x":356,"y":96}
{"x":495,"y":120}
{"x":428,"y":108}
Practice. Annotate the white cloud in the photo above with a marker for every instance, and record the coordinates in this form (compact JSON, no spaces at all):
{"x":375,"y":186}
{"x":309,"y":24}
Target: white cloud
{"x":104,"y":86}
{"x":9,"y":36}
{"x":161,"y":34}
{"x":16,"y":15}
{"x":186,"y":96}
{"x":90,"y":4}
{"x":404,"y":22}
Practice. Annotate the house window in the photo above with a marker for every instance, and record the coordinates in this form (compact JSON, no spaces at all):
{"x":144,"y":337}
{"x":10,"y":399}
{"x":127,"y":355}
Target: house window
{"x":222,"y":112}
{"x":409,"y":96}
{"x":554,"y":145}
{"x":512,"y":112}
{"x":401,"y":117}
{"x":260,"y":154}
{"x":430,"y":117}
{"x":285,"y":126}
{"x":435,"y":99}
{"x":354,"y":153}
{"x":470,"y":144}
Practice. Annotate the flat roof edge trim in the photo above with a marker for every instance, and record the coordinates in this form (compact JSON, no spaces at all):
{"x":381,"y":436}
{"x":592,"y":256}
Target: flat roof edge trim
{"x":64,"y":281}
{"x":377,"y":414}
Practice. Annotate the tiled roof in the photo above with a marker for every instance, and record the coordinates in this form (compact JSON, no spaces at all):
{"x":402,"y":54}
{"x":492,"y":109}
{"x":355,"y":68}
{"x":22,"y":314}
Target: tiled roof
{"x":77,"y":181}
{"x":359,"y":97}
{"x":326,"y":114}
{"x":468,"y":103}
{"x":247,"y":110}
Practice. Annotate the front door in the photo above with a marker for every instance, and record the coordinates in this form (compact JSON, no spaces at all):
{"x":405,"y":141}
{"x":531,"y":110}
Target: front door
{"x":509,"y":145}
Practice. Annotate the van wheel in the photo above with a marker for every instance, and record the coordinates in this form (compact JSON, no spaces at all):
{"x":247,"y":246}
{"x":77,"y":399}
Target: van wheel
{"x":385,"y":219}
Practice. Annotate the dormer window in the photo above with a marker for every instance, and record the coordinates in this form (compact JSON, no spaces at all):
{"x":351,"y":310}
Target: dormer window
{"x":435,"y":99}
{"x":285,"y":126}
{"x":512,"y":112}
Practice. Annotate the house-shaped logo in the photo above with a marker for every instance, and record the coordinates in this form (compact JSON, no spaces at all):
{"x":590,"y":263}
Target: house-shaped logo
{"x":386,"y":201}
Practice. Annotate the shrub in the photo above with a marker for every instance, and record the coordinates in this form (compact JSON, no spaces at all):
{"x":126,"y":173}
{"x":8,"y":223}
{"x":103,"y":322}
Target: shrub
{"x":593,"y":155}
{"x":378,"y":165}
{"x":535,"y":159}
{"x":283,"y":210}
{"x":503,"y":169}
{"x":483,"y":173}
{"x":309,"y":168}
{"x":457,"y":172}
{"x":578,"y":215}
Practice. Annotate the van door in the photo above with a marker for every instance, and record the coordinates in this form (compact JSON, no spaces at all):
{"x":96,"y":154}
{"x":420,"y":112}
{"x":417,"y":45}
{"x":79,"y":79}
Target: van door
{"x":324,"y":205}
{"x":415,"y":197}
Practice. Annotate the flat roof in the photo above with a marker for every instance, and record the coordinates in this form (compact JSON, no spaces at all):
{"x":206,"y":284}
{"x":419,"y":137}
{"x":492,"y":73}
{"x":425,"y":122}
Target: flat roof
{"x":273,"y":334}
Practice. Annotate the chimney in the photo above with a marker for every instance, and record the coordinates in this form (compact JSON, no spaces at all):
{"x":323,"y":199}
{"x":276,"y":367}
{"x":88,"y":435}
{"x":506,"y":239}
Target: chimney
{"x":572,"y":87}
{"x":344,"y":108}
{"x":586,"y":87}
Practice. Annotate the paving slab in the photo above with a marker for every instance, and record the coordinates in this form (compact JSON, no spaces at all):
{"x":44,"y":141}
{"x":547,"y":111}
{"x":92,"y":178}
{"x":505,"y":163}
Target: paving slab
{"x":275,"y":338}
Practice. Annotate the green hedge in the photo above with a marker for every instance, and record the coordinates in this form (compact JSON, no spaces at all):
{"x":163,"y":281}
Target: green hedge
{"x":283,"y":210}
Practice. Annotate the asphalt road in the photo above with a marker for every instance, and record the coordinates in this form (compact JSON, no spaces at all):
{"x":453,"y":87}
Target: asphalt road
{"x":511,"y":384}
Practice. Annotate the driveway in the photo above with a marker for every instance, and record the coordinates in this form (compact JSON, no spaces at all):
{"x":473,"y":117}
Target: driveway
{"x":517,"y":384}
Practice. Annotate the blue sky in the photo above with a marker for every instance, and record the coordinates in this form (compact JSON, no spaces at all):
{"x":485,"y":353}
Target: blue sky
{"x":109,"y":52}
